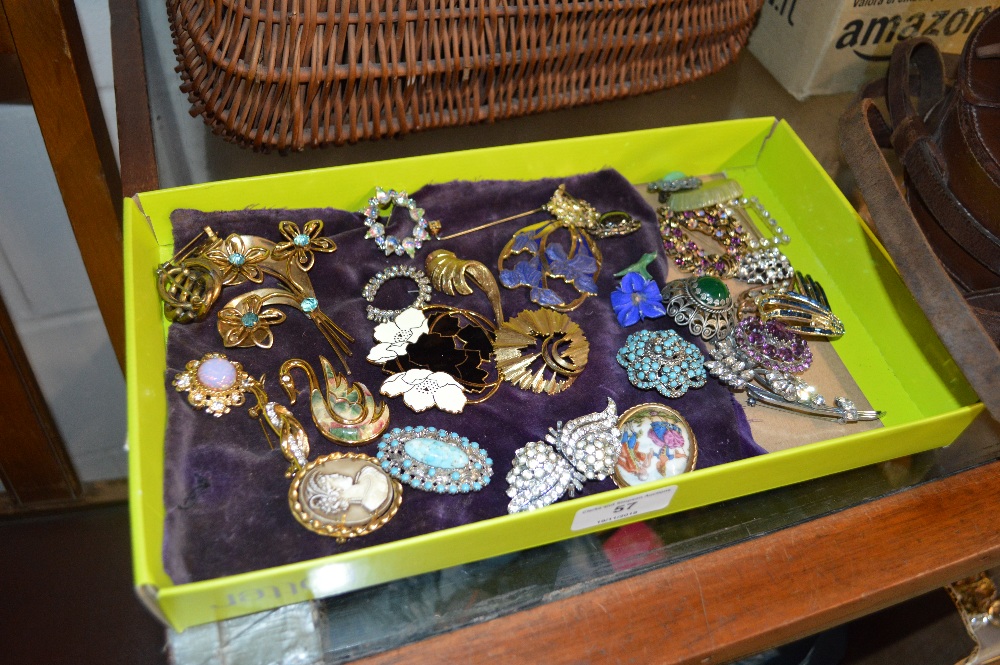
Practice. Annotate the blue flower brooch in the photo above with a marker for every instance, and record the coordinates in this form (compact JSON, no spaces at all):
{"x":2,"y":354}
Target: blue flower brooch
{"x":635,"y":299}
{"x":638,"y":296}
{"x":541,"y":259}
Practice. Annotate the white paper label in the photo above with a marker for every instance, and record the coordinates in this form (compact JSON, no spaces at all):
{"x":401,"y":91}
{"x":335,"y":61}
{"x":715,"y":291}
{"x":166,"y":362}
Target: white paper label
{"x":623,"y":509}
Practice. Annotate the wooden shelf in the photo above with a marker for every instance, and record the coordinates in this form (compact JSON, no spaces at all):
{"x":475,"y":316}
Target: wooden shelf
{"x":756,"y":595}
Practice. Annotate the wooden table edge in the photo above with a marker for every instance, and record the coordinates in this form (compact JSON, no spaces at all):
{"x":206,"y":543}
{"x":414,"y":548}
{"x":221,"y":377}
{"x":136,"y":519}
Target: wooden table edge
{"x":755,"y":595}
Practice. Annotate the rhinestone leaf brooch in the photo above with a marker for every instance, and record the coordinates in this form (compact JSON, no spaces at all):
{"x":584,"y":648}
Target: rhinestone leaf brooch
{"x":734,"y":365}
{"x":582,"y":449}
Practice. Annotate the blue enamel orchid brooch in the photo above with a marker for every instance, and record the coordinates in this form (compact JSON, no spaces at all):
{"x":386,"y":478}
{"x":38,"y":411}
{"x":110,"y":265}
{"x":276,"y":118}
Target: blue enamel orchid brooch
{"x":540,"y":259}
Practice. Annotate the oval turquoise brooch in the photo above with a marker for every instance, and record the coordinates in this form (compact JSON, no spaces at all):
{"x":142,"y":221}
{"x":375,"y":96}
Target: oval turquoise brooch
{"x":435,"y":460}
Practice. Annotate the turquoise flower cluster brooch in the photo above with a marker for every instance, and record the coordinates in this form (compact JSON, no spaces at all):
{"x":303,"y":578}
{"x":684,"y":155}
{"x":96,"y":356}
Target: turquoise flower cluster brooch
{"x":660,"y":359}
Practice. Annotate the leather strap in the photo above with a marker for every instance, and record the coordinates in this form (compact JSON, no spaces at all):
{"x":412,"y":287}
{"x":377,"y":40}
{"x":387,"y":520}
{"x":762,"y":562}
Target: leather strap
{"x":930,"y":79}
{"x":920,"y":155}
{"x":986,"y":304}
{"x":962,"y":332}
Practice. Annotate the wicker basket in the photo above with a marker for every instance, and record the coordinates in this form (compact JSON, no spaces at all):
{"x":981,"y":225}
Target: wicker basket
{"x":287,"y":74}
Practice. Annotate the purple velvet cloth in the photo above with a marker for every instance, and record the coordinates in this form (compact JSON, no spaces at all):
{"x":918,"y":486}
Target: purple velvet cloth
{"x":225,"y":490}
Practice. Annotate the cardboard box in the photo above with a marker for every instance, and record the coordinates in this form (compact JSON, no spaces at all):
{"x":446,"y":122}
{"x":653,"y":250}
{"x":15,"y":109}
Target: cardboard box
{"x":891,"y":351}
{"x":819,"y":48}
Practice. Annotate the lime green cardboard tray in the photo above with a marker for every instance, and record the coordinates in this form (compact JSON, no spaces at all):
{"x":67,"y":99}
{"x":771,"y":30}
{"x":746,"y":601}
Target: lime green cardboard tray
{"x":891,"y":351}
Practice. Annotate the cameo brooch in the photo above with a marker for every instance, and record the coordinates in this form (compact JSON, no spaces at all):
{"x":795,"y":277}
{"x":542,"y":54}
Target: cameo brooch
{"x":343,"y":495}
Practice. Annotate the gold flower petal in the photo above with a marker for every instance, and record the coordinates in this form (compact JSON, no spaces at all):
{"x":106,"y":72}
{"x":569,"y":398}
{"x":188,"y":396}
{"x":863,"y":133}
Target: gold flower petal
{"x":262,"y":336}
{"x":252,"y":272}
{"x":288,"y":229}
{"x":233,"y":244}
{"x":313,"y":228}
{"x":305,"y":259}
{"x":322,"y":245}
{"x":231,"y":315}
{"x":232,"y":274}
{"x":252,"y":303}
{"x":254,"y":255}
{"x":218,"y":256}
{"x":234,"y":336}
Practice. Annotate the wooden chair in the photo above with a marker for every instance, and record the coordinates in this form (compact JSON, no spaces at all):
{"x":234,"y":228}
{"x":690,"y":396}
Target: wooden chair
{"x":46,"y":43}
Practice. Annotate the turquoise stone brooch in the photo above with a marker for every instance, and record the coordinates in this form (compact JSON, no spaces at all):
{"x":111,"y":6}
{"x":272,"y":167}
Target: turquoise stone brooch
{"x":660,"y":359}
{"x":434,"y":460}
{"x":703,"y":304}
